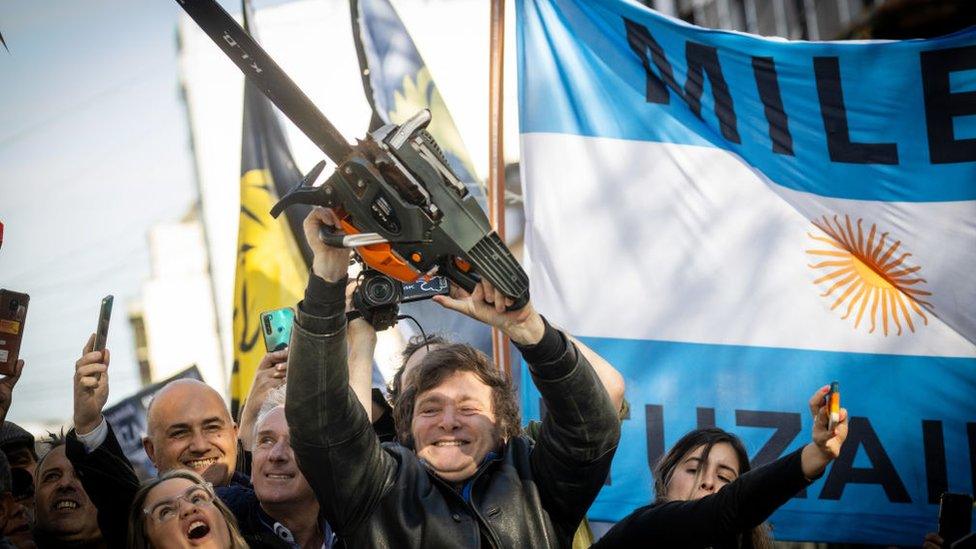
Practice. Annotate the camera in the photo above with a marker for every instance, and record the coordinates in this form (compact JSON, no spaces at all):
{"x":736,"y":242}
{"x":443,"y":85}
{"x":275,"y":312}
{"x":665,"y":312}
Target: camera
{"x":377,"y":297}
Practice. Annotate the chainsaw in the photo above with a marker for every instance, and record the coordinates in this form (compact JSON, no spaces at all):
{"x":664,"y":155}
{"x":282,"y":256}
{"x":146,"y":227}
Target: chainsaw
{"x":399,"y":204}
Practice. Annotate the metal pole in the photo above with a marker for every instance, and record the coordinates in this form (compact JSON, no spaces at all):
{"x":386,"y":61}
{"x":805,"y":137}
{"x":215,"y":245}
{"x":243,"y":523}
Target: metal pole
{"x":496,"y":156}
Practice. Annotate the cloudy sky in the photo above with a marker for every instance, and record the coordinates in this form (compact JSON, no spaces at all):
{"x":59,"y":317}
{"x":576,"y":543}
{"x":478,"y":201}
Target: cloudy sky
{"x":94,"y":149}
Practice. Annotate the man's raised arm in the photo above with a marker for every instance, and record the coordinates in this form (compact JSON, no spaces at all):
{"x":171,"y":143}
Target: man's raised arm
{"x":580,"y":432}
{"x":333,"y":440}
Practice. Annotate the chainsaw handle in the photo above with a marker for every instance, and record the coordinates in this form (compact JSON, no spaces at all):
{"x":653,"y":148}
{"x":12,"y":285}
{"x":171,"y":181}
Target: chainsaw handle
{"x":332,"y":237}
{"x":469,"y":280}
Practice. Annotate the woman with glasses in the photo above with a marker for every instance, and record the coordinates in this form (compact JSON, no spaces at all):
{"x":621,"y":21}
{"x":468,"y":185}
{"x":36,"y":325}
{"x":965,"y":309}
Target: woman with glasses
{"x":179,"y":509}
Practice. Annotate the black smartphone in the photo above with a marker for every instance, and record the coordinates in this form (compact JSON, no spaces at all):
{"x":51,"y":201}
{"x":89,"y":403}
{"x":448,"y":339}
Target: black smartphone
{"x":104,"y":316}
{"x":955,"y":517}
{"x":425,"y":289}
{"x":13,"y":313}
{"x":101,"y":330}
{"x":276,"y":328}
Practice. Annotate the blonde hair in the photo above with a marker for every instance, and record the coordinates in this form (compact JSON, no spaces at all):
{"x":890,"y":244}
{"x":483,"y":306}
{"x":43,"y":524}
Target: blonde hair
{"x":139,"y":539}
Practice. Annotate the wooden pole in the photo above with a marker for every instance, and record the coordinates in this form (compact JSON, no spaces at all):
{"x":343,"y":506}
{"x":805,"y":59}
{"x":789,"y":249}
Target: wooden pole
{"x":496,"y":156}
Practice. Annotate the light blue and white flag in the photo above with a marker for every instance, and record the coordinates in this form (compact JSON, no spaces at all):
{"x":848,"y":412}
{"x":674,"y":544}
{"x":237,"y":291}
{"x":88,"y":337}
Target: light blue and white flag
{"x":736,"y":221}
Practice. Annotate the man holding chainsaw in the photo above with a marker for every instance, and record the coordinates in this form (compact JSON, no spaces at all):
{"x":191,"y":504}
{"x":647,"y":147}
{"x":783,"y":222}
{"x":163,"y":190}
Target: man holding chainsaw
{"x":462,"y":475}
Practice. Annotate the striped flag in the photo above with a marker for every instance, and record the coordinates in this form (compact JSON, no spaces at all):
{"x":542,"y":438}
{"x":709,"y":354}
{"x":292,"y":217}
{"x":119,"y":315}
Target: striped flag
{"x":735,"y":221}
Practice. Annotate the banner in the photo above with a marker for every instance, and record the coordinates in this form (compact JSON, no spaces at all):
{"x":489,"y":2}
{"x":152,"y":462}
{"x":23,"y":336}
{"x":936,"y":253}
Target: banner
{"x":397,"y":84}
{"x":128,"y":419}
{"x":735,"y":221}
{"x":272,"y":259}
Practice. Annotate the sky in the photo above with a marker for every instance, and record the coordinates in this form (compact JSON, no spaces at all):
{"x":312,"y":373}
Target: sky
{"x":94,"y":149}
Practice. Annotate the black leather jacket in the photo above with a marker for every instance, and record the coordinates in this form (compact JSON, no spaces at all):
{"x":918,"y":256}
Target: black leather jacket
{"x":529,"y":494}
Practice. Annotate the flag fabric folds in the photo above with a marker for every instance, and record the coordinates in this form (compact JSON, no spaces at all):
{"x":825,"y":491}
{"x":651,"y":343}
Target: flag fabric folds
{"x":272,"y":264}
{"x":736,"y":221}
{"x":397,"y":84}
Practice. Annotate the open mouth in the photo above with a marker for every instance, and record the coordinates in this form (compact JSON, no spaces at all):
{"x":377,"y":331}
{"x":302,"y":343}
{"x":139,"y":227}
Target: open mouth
{"x":198,"y":529}
{"x":200,"y":464}
{"x":65,"y":505}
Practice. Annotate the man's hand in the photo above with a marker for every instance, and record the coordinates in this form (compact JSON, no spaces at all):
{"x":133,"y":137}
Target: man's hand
{"x":826,"y":444}
{"x":91,"y":387}
{"x":328,"y":263}
{"x":486,"y":304}
{"x":271,"y":373}
{"x":7,"y":389}
{"x":933,"y":541}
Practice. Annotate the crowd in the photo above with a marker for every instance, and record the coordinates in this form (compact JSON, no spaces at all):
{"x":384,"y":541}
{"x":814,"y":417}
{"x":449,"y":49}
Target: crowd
{"x":316,"y":459}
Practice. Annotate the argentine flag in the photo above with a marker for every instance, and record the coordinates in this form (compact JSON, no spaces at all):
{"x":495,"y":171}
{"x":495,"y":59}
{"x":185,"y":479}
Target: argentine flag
{"x":735,"y":221}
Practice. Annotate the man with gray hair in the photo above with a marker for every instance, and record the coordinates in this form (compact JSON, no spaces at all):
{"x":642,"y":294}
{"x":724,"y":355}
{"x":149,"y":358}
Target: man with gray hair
{"x":281,"y":509}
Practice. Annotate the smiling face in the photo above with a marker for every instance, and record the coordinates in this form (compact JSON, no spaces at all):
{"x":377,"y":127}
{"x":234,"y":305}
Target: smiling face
{"x":180,"y":513}
{"x":189,"y":427}
{"x":692,"y":479}
{"x":454,"y":426}
{"x":62,"y":507}
{"x":274,"y":472}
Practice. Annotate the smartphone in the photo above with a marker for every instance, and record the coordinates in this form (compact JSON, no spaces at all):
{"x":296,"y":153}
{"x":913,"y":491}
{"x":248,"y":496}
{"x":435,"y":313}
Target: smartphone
{"x":276,"y":328}
{"x":425,"y":289}
{"x":955,"y":517}
{"x":832,"y":401}
{"x":13,"y":313}
{"x":104,"y":316}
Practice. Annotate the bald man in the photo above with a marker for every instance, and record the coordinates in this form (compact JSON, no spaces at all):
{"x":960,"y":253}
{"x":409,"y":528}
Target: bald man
{"x":188,"y":427}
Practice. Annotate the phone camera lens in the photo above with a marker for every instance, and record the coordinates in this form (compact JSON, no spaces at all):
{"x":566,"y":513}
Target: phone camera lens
{"x":14,"y":303}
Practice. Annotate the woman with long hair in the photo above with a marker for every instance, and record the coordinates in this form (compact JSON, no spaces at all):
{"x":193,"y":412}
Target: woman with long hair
{"x":707,"y":496}
{"x":179,"y":509}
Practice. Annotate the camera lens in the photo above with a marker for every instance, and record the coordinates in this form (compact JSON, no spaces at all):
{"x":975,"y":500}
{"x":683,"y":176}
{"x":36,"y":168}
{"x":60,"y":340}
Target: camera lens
{"x":380,"y":290}
{"x":14,"y":303}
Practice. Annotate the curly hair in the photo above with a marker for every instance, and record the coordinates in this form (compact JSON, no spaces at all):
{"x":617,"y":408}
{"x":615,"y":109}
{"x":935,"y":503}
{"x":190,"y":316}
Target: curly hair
{"x":415,"y":344}
{"x":440,"y":364}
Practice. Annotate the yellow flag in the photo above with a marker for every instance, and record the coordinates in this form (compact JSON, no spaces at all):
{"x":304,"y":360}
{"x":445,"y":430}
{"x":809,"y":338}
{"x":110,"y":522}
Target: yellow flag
{"x":271,"y":274}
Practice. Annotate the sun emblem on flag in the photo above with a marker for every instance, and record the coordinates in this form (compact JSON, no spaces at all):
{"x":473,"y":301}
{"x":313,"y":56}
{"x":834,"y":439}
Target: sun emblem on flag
{"x":868,"y":275}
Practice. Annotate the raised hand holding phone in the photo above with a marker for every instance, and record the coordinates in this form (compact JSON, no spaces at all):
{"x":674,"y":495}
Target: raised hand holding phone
{"x":101,"y":329}
{"x":13,"y":315}
{"x":90,"y":387}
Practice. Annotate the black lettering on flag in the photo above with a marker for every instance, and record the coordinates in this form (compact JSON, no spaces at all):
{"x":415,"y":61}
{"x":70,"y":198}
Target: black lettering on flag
{"x":654,"y":424}
{"x":882,"y":471}
{"x":941,"y":105}
{"x":839,"y":144}
{"x":936,"y":474}
{"x":764,"y":69}
{"x":703,"y":60}
{"x":705,"y":417}
{"x":787,"y":425}
{"x":641,"y":41}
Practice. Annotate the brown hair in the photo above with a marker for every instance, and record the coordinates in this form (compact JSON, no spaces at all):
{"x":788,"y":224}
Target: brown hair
{"x":445,"y":361}
{"x":758,"y":537}
{"x":415,"y":344}
{"x":138,"y":539}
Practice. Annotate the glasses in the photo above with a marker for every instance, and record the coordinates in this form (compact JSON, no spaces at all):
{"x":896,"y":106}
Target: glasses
{"x":198,"y":496}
